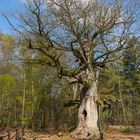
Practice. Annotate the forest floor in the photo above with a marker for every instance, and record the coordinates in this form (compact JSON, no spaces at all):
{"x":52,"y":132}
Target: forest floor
{"x":111,"y":133}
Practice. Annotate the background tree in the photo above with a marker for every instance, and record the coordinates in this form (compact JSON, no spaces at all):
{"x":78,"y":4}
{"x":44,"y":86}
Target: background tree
{"x":131,"y":63}
{"x":121,"y":79}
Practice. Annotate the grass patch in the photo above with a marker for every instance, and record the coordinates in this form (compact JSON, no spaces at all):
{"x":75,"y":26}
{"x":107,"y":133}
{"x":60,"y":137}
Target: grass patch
{"x":128,"y":130}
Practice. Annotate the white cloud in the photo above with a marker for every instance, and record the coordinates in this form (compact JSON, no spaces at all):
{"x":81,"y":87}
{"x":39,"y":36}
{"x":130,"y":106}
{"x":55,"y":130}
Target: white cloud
{"x":23,"y":1}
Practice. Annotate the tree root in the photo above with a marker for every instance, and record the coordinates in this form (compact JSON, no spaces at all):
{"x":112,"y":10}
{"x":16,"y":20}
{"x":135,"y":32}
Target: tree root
{"x":86,"y":134}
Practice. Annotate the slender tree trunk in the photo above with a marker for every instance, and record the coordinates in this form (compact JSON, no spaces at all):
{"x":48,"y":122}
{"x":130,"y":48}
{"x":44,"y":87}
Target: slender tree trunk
{"x":88,"y":115}
{"x":23,"y":102}
{"x":122,"y":103}
{"x":32,"y":98}
{"x":9,"y":112}
{"x":15,"y":113}
{"x":133,"y":109}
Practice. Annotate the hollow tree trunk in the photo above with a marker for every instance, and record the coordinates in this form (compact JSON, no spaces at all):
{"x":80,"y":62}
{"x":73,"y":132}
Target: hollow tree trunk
{"x":87,"y":128}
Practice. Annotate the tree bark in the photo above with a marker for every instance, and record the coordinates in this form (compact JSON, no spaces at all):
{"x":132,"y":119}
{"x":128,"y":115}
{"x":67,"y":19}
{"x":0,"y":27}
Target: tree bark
{"x":122,"y":103}
{"x":87,"y":128}
{"x":23,"y":100}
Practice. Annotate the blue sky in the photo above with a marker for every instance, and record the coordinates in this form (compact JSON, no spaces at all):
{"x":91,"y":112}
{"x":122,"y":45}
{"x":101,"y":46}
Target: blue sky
{"x":8,"y":6}
{"x":11,"y":6}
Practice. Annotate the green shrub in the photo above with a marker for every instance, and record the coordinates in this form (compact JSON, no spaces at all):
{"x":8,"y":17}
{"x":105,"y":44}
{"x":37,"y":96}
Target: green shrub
{"x":127,"y":130}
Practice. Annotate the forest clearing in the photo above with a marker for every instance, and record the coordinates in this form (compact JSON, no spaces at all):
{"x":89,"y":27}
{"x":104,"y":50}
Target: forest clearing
{"x":114,"y":133}
{"x":70,"y":70}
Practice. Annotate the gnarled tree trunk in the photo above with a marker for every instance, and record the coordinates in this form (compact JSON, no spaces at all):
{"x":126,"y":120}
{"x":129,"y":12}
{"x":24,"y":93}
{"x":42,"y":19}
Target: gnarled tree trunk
{"x":88,"y":115}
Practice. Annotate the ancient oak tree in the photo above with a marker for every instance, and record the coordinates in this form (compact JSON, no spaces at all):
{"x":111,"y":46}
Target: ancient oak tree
{"x":90,"y":32}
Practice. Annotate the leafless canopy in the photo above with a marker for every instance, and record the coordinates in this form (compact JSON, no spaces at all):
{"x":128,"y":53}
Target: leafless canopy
{"x":91,"y":31}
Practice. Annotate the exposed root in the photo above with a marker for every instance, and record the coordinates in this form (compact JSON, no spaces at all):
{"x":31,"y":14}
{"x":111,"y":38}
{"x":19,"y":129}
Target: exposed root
{"x":86,"y":134}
